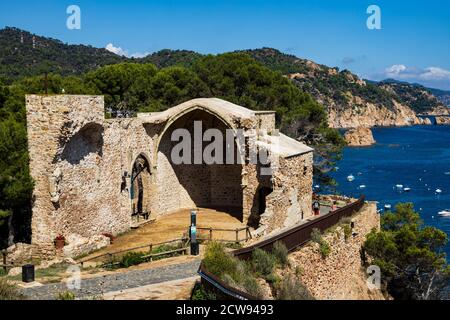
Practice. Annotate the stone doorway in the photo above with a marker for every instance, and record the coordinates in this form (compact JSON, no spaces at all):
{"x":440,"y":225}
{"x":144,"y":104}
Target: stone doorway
{"x":140,"y":190}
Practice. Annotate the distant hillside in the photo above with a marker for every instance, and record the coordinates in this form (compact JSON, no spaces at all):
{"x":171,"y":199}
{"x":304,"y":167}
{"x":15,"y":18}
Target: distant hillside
{"x":167,"y":58}
{"x":350,"y":101}
{"x":25,"y":54}
{"x":416,"y":96}
{"x":442,"y":95}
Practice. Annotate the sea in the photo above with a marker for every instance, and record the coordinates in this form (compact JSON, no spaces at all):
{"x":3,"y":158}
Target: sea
{"x":416,"y":157}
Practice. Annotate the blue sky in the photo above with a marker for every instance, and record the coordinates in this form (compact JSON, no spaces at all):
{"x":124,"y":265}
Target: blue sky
{"x":413,"y":44}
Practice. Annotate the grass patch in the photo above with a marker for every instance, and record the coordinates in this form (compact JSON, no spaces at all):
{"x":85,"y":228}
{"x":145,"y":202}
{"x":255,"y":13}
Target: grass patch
{"x":67,"y":295}
{"x":324,"y":247}
{"x":200,"y":293}
{"x":9,"y":291}
{"x":219,"y":262}
{"x":137,"y":257}
{"x":263,"y":262}
{"x":290,"y":288}
{"x":281,"y":253}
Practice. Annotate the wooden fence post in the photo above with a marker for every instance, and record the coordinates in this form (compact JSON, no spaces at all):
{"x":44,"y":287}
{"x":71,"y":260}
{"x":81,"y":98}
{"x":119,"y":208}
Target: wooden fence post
{"x":210,"y":234}
{"x":237,"y":235}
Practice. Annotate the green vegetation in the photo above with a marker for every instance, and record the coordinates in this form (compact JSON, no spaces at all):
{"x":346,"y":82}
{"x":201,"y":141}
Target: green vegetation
{"x":417,"y":97}
{"x":247,"y":275}
{"x":263,"y":262}
{"x":281,"y":253}
{"x":67,"y":295}
{"x":199,"y":293}
{"x":410,"y":256}
{"x":324,"y":247}
{"x":290,"y":288}
{"x":8,"y":291}
{"x":133,"y":258}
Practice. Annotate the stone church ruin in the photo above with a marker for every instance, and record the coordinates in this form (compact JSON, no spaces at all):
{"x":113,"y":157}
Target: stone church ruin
{"x":96,"y":176}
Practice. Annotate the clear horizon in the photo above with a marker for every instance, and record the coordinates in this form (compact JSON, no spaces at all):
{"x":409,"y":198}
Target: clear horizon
{"x":409,"y":47}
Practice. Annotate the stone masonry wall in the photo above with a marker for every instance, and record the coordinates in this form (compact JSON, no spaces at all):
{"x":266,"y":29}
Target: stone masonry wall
{"x":340,"y":275}
{"x":82,"y":164}
{"x":290,"y":201}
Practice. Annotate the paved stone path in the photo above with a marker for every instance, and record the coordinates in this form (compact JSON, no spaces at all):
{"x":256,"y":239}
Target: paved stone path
{"x":97,"y":286}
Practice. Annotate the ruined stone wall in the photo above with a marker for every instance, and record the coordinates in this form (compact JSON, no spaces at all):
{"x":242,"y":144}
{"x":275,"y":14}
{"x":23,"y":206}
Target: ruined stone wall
{"x":290,"y":201}
{"x":266,"y":121}
{"x":339,"y":275}
{"x":82,"y":165}
{"x":77,"y":160}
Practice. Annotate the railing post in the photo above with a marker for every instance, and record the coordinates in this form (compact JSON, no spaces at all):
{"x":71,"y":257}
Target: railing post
{"x":110,"y":256}
{"x":210,"y":234}
{"x":237,"y":235}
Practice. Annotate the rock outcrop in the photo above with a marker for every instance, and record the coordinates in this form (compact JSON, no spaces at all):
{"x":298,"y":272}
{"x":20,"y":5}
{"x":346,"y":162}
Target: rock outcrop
{"x":443,"y":120}
{"x":359,"y":137}
{"x":364,"y":114}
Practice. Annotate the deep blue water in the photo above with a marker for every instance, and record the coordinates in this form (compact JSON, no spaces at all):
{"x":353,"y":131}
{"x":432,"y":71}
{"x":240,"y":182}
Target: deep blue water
{"x":416,"y":157}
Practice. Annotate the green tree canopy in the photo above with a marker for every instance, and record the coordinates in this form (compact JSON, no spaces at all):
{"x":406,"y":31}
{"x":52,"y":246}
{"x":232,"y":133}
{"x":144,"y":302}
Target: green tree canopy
{"x":410,"y":255}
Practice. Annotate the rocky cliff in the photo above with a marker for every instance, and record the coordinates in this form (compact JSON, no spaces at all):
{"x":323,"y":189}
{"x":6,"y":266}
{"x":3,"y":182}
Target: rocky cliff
{"x":443,"y":120}
{"x":353,"y":102}
{"x":359,"y":137}
{"x":341,"y":274}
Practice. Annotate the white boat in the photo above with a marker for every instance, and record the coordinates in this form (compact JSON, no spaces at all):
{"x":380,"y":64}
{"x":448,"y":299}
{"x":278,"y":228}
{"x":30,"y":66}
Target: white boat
{"x":438,"y":191}
{"x":351,"y":178}
{"x":444,"y":213}
{"x":407,"y":189}
{"x":399,"y":186}
{"x":363,"y":186}
{"x":387,"y":207}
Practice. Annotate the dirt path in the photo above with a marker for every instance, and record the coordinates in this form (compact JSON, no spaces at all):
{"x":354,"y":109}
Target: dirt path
{"x":173,"y":226}
{"x":120,"y":282}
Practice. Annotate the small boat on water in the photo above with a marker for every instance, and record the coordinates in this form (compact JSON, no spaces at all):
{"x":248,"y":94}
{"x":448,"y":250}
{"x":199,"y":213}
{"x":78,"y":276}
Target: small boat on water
{"x":399,"y":186}
{"x":444,"y":213}
{"x":363,"y":186}
{"x":407,"y":189}
{"x":438,"y":191}
{"x":351,"y":178}
{"x":387,"y":207}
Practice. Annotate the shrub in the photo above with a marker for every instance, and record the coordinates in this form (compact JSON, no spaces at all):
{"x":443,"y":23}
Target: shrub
{"x":131,"y":259}
{"x":219,"y":262}
{"x":273,"y":279}
{"x":325,"y":249}
{"x":8,"y":291}
{"x":263,"y":262}
{"x":67,"y":295}
{"x":200,"y":293}
{"x":347,"y":231}
{"x":316,"y":236}
{"x":290,"y":288}
{"x":298,"y":271}
{"x":281,"y":253}
{"x":252,"y":286}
